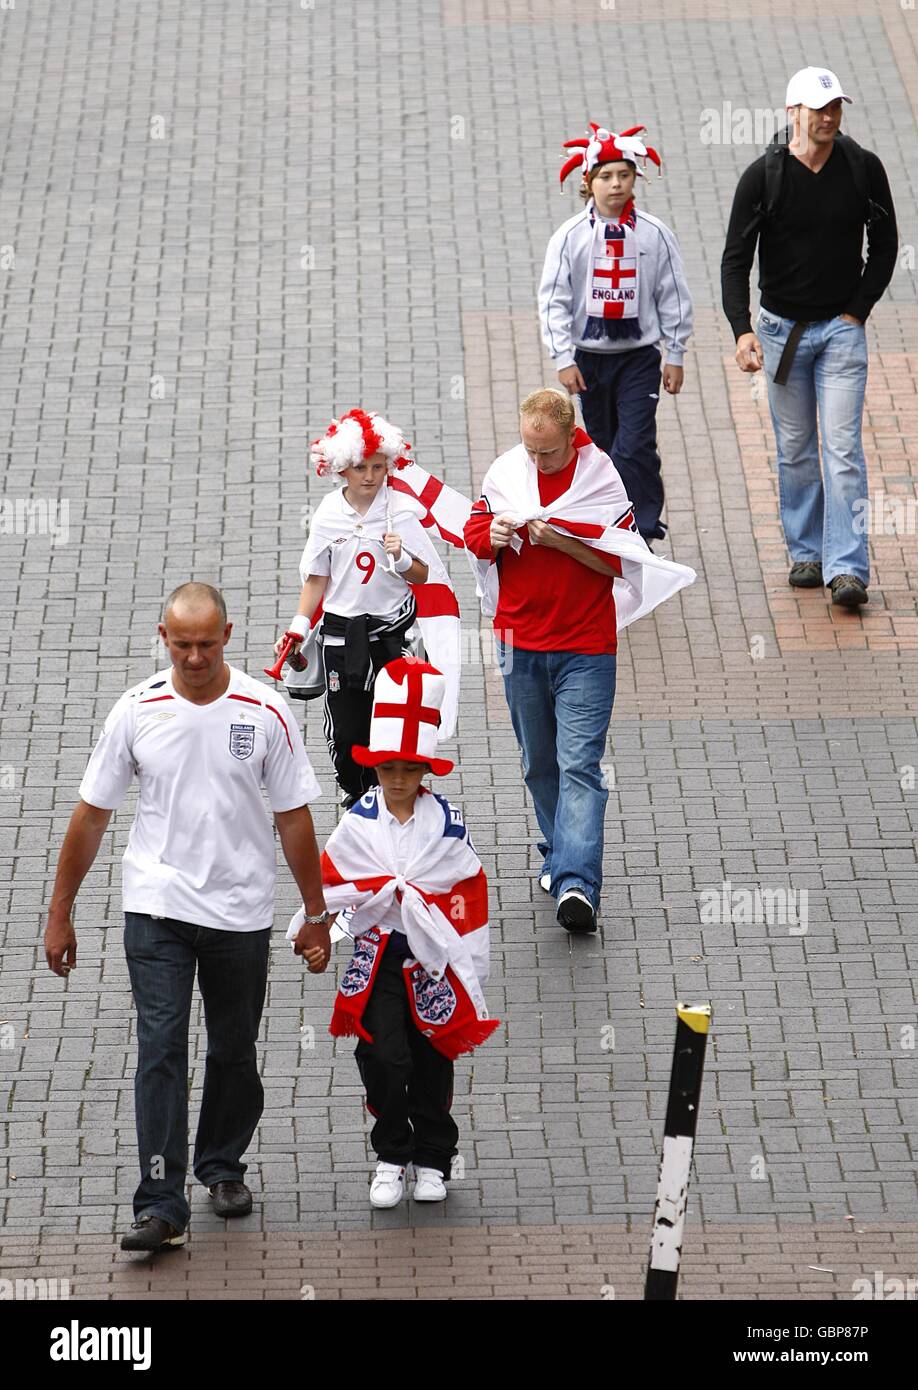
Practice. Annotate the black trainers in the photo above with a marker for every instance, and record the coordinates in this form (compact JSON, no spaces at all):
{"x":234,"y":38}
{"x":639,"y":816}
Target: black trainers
{"x":806,"y":574}
{"x":231,"y":1199}
{"x":152,"y":1233}
{"x":848,"y":591}
{"x":575,"y":912}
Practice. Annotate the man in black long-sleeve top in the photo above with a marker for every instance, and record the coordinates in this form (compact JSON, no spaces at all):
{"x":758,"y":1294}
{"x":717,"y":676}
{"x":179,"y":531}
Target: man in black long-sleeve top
{"x":807,"y":201}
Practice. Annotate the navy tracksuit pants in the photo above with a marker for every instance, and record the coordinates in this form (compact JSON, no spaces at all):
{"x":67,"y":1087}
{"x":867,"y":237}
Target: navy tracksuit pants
{"x":620,"y":415}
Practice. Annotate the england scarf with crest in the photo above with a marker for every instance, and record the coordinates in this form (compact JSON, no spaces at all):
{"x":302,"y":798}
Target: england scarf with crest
{"x":595,"y":509}
{"x":443,"y":895}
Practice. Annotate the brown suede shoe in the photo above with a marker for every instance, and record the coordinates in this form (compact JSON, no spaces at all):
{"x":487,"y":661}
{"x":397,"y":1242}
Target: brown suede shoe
{"x":806,"y":574}
{"x":848,"y":591}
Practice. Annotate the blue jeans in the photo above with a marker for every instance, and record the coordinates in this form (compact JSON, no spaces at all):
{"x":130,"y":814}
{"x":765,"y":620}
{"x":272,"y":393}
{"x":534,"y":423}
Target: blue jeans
{"x":560,"y":706}
{"x":827,"y":381}
{"x":232,"y":968}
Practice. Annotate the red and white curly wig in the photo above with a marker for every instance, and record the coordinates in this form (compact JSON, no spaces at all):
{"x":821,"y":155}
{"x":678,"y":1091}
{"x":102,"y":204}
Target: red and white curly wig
{"x":358,"y":435}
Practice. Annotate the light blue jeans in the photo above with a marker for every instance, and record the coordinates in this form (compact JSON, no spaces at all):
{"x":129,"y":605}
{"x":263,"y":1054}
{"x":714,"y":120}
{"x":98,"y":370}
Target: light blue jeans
{"x":828,"y":380}
{"x":560,"y":706}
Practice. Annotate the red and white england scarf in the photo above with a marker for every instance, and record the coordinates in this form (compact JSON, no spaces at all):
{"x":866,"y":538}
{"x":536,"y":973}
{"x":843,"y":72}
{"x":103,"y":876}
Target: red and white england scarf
{"x":595,"y":509}
{"x":615,"y":261}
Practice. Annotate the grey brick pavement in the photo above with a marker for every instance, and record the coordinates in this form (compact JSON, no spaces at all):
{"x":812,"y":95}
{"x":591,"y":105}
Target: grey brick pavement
{"x":229,"y":222}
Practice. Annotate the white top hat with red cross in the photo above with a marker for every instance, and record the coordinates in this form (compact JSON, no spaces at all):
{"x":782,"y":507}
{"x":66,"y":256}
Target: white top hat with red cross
{"x":407,"y":698}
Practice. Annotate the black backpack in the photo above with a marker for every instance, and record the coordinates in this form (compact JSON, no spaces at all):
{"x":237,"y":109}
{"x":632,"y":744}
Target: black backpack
{"x":775,"y":158}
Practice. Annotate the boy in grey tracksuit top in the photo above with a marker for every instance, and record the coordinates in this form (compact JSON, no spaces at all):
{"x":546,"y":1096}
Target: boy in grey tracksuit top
{"x":613,"y":287}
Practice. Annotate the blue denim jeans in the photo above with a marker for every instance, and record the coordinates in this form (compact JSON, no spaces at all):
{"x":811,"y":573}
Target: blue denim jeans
{"x":824,"y":395}
{"x":560,"y":706}
{"x":232,"y":969}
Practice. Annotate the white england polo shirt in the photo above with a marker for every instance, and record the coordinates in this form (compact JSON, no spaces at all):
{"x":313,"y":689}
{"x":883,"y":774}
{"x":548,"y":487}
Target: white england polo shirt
{"x":201,"y":848}
{"x":348,"y":548}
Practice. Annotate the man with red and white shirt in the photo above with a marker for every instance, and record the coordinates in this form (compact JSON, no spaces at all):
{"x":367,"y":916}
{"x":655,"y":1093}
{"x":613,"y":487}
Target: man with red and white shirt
{"x":199,"y":873}
{"x":555,"y":624}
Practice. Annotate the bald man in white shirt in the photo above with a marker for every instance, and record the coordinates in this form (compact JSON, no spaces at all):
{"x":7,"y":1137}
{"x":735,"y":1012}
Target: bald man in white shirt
{"x":203,"y":740}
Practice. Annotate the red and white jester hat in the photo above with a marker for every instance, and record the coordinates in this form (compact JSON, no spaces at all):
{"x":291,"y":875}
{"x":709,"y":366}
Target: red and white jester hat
{"x":407,"y":700}
{"x":358,"y":435}
{"x":604,"y":146}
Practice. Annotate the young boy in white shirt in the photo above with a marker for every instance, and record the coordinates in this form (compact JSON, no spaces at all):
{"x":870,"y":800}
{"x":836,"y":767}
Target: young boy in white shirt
{"x":613,"y":287}
{"x":403,"y":872}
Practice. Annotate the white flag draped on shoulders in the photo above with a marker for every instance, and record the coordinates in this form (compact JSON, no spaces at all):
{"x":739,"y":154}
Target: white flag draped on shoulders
{"x":595,"y":509}
{"x":442,"y":511}
{"x":446,"y":510}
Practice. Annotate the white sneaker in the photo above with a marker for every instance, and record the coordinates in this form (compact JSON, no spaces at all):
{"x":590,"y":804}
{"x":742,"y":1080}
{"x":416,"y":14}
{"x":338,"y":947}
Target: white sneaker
{"x":545,"y":882}
{"x":388,"y":1186}
{"x":429,"y":1186}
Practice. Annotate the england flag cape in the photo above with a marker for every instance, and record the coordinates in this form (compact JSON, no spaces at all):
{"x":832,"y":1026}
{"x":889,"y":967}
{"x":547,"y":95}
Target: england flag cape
{"x":443,"y":895}
{"x":445,"y":509}
{"x":437,"y":605}
{"x":595,"y":509}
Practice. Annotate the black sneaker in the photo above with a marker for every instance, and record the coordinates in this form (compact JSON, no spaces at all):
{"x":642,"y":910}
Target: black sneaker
{"x":152,"y":1233}
{"x":848,"y":591}
{"x":231,"y":1199}
{"x":575,"y":912}
{"x":806,"y":574}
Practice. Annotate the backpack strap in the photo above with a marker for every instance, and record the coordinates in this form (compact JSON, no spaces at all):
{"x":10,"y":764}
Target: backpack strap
{"x":775,"y":156}
{"x":857,"y":163}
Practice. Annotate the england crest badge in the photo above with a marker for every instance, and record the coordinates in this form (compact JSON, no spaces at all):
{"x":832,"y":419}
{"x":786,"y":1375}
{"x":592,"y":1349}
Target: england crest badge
{"x":242,"y":740}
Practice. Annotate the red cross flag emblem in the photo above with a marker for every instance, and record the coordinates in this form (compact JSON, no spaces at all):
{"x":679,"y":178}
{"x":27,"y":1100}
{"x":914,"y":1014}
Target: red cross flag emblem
{"x":409,"y":694}
{"x":413,"y":712}
{"x":614,"y":271}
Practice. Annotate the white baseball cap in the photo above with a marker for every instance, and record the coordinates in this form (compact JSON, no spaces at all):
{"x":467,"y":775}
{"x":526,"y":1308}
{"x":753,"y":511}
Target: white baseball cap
{"x":815,"y":88}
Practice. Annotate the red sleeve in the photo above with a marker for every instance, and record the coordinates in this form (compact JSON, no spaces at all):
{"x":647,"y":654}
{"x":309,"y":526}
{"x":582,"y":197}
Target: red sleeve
{"x":477,"y":531}
{"x":613,"y":561}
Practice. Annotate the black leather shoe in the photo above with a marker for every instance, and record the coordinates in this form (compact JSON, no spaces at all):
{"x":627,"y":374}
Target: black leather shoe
{"x":152,"y":1233}
{"x":848,"y":591}
{"x":231,"y":1198}
{"x":806,"y":574}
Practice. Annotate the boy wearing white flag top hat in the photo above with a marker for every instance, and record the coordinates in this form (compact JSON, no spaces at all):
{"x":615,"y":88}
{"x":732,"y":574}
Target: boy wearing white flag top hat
{"x":402,"y":870}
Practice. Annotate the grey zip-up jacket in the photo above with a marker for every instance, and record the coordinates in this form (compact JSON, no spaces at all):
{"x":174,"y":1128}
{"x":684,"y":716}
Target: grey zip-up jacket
{"x":664,"y":303}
